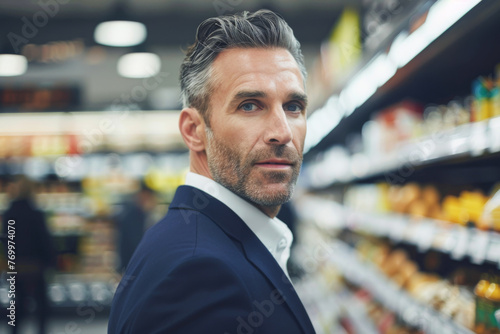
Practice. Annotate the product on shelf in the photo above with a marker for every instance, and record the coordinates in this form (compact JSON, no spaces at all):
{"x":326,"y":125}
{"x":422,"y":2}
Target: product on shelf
{"x":397,"y":124}
{"x":495,"y":93}
{"x":393,"y":127}
{"x":385,"y":320}
{"x":469,"y":207}
{"x":79,"y":217}
{"x":490,"y":217}
{"x":493,"y":296}
{"x":486,"y":92}
{"x":465,"y":208}
{"x":451,"y":300}
{"x":487,"y":293}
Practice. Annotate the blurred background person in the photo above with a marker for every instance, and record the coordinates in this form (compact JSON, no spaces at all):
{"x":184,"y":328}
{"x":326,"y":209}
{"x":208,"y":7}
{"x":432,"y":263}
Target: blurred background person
{"x":132,"y":218}
{"x":34,"y":252}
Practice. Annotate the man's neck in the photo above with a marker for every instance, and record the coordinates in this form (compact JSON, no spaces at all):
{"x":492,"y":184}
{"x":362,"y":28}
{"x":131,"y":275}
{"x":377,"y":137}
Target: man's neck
{"x":270,"y":211}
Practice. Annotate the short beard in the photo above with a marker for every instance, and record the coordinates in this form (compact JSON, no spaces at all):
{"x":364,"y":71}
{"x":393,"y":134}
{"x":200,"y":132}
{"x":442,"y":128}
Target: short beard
{"x":227,"y":169}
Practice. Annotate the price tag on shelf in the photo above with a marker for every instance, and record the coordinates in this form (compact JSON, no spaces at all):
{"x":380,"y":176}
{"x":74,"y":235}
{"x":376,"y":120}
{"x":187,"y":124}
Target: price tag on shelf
{"x":425,"y":235}
{"x":352,"y":221}
{"x":449,"y":239}
{"x":435,"y":325}
{"x":382,"y":225}
{"x":458,"y":140}
{"x":493,"y":252}
{"x":478,"y":246}
{"x":447,"y":328}
{"x":405,"y":303}
{"x":462,"y":241}
{"x":411,"y":232}
{"x":479,"y":140}
{"x":398,"y":228}
{"x":494,"y":134}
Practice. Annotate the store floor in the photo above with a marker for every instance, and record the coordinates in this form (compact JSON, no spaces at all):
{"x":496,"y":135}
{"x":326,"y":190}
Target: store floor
{"x":63,"y":325}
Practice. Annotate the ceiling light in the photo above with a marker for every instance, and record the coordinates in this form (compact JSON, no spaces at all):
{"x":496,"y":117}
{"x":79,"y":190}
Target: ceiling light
{"x":12,"y":65}
{"x":139,"y":65}
{"x":120,"y":33}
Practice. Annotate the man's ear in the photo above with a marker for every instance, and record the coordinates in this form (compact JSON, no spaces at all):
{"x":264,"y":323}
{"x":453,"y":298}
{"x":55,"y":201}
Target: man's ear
{"x":192,"y":129}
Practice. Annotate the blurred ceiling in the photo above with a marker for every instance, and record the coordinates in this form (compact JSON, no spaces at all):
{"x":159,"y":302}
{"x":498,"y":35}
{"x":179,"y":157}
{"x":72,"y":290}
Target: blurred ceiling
{"x":171,"y":26}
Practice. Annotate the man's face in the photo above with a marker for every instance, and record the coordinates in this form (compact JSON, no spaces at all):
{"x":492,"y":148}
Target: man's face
{"x":258,"y":124}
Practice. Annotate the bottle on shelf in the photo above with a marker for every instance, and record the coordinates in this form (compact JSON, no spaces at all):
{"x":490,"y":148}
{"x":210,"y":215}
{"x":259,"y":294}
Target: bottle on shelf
{"x":480,"y":292}
{"x":492,"y":296}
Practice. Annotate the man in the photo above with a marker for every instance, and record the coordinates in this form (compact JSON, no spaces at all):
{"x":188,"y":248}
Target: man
{"x":217,"y":262}
{"x":132,"y":219}
{"x":34,"y":253}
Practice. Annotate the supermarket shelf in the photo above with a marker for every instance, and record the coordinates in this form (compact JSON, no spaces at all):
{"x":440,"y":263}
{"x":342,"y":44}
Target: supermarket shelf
{"x":322,"y":306}
{"x":71,"y":204}
{"x":435,"y":73}
{"x":75,"y":293}
{"x":325,"y":303}
{"x":375,"y":44}
{"x":458,"y":241}
{"x":74,"y":167}
{"x":356,"y":312}
{"x":481,"y":139}
{"x":411,"y":311}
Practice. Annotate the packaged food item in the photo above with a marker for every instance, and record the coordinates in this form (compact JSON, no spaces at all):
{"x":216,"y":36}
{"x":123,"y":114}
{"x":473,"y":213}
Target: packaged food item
{"x":398,"y":123}
{"x":481,"y":302}
{"x":492,"y":296}
{"x":490,"y":218}
{"x":482,"y":106}
{"x":467,"y":208}
{"x":458,"y":113}
{"x":495,"y":93}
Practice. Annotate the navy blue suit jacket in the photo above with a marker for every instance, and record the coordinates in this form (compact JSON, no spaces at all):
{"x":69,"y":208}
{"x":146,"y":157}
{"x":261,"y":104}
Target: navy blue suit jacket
{"x":202,"y":270}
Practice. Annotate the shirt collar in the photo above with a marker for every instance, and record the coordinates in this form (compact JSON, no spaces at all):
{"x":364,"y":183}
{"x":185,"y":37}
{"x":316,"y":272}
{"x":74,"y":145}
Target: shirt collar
{"x":272,"y":232}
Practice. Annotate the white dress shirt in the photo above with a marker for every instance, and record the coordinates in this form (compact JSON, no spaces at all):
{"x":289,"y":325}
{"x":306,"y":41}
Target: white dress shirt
{"x":272,"y":232}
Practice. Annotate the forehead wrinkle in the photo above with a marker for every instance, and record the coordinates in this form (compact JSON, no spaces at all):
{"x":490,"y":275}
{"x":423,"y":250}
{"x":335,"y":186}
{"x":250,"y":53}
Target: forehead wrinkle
{"x":231,"y":85}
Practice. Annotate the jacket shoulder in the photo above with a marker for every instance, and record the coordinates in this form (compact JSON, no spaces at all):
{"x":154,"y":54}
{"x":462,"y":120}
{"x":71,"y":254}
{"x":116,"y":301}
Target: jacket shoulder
{"x":200,"y":289}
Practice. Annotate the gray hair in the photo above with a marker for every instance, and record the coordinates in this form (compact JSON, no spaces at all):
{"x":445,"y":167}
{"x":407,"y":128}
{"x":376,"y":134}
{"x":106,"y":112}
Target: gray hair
{"x":261,"y":29}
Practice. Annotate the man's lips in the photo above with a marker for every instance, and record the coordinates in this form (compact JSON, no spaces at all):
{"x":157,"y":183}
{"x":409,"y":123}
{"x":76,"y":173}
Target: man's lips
{"x":275,"y":163}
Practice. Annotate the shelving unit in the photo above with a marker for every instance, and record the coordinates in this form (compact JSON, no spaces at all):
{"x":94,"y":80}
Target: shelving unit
{"x":461,"y":157}
{"x":83,"y":165}
{"x":469,"y":142}
{"x":441,"y":71}
{"x":458,"y":241}
{"x":414,"y":313}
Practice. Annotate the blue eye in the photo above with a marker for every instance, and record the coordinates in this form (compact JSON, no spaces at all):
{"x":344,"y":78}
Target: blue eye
{"x":294,"y":107}
{"x":248,"y":107}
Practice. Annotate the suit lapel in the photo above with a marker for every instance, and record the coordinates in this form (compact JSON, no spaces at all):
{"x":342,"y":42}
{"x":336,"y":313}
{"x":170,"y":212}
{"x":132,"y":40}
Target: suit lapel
{"x":191,"y":198}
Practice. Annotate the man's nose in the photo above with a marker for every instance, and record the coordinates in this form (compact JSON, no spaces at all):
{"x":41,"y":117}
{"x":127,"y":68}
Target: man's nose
{"x":278,"y":130}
